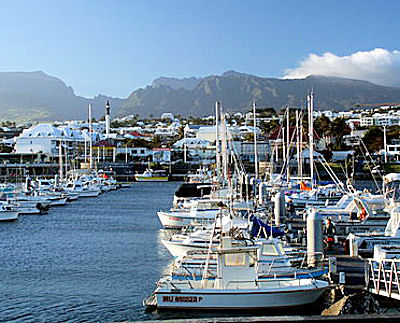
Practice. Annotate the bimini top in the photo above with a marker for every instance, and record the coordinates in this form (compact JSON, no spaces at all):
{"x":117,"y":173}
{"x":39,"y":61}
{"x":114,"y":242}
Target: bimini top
{"x":391,"y":177}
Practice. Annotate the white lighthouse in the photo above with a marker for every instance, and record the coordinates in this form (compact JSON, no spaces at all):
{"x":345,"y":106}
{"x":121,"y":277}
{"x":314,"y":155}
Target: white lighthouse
{"x":107,"y":118}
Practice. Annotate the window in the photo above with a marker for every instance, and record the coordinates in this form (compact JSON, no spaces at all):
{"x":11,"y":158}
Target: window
{"x":235,"y":259}
{"x":269,"y":250}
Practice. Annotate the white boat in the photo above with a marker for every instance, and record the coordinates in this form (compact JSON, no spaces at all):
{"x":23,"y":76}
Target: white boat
{"x":7,"y":214}
{"x":184,"y":219}
{"x":236,"y":286}
{"x":39,"y":201}
{"x":272,"y":261}
{"x":83,"y":190}
{"x":72,"y":196}
{"x":202,"y":212}
{"x":152,"y":176}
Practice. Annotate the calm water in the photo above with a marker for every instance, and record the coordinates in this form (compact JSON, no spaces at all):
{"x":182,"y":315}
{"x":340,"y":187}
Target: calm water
{"x":92,"y":260}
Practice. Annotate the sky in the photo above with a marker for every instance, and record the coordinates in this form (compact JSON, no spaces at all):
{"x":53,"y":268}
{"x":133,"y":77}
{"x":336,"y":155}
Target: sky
{"x":113,"y":47}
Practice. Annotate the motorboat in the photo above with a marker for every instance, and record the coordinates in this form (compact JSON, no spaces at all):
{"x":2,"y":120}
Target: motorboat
{"x":235,"y":286}
{"x":272,"y":261}
{"x":7,"y":214}
{"x":150,"y":175}
{"x":84,"y":190}
{"x":202,"y":212}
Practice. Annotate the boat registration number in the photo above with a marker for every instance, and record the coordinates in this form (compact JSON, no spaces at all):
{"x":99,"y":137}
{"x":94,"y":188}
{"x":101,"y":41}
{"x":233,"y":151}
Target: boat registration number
{"x":181,"y":299}
{"x":175,"y":218}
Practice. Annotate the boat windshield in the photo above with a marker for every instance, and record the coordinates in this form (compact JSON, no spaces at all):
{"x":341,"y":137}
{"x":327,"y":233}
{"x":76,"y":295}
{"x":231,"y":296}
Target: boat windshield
{"x":207,"y":205}
{"x":269,"y":250}
{"x":235,"y":259}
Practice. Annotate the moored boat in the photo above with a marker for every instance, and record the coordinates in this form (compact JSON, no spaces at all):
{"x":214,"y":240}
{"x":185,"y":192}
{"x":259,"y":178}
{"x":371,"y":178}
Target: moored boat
{"x":152,"y":176}
{"x":236,"y":286}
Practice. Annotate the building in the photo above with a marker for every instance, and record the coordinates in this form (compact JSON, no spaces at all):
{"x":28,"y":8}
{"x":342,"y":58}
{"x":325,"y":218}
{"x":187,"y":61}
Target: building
{"x":208,"y":133}
{"x":192,"y":143}
{"x":46,"y":139}
{"x":144,"y":155}
{"x":366,"y":121}
{"x":167,"y":116}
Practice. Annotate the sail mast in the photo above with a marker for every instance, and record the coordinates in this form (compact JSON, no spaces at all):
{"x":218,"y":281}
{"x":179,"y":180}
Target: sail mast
{"x":255,"y":141}
{"x":90,"y":138}
{"x":217,"y":147}
{"x":311,"y":134}
{"x":288,"y":144}
{"x":60,"y":161}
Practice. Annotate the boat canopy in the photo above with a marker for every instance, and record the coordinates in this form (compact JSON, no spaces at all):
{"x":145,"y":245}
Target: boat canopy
{"x":391,"y":177}
{"x":258,"y":226}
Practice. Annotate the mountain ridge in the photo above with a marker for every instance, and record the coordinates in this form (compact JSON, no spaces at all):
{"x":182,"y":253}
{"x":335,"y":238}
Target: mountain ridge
{"x":36,"y":96}
{"x":238,"y":90}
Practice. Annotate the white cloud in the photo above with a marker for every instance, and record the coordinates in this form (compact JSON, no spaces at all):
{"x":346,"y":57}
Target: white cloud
{"x":378,"y":66}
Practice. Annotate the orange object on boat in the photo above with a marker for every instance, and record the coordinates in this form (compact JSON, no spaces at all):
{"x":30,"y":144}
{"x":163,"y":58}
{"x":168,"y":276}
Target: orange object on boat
{"x":304,"y":187}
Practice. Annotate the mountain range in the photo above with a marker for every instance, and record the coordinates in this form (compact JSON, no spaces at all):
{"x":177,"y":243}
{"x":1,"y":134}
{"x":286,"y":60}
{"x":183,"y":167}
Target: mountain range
{"x":36,"y":96}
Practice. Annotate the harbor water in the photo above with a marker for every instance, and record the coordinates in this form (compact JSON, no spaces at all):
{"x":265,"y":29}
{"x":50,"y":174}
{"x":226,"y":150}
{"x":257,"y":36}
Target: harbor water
{"x":93,"y":260}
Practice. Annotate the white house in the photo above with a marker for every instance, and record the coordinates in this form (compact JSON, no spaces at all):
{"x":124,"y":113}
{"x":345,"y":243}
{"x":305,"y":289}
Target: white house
{"x":167,"y":116}
{"x":43,"y":138}
{"x":208,"y":133}
{"x":192,"y":143}
{"x":366,"y":121}
{"x":46,"y":139}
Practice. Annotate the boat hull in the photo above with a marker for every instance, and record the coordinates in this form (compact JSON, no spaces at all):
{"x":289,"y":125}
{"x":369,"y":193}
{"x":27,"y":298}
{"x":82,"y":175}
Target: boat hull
{"x":215,"y":299}
{"x":179,"y":249}
{"x":93,"y":193}
{"x":180,"y":220}
{"x":8,"y":216}
{"x":151,"y":179}
{"x":58,"y":201}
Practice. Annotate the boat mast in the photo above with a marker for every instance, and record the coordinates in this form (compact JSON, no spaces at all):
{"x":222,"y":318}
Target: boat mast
{"x":301,"y":145}
{"x":385,"y":143}
{"x":85,"y":147}
{"x":217,"y":147}
{"x":255,"y":141}
{"x":184,"y":145}
{"x":311,"y":134}
{"x":224,"y":150}
{"x":66,"y":157}
{"x":297,"y":143}
{"x":288,"y":144}
{"x":90,"y":138}
{"x":283,"y":146}
{"x":60,"y":161}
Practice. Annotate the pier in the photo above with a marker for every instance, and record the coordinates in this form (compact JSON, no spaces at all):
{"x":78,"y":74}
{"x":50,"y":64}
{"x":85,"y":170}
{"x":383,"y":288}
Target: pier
{"x":382,"y":277}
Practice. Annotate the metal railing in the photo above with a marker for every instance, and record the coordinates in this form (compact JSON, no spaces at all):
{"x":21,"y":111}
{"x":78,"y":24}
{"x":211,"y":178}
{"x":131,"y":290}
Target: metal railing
{"x":382,"y":277}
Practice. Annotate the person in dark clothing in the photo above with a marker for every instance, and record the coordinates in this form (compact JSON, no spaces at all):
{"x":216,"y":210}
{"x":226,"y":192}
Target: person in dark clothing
{"x":290,"y":207}
{"x":329,"y":232}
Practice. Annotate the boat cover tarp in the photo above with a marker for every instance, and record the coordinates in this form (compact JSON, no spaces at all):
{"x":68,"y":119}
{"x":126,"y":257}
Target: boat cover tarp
{"x":258,"y":224}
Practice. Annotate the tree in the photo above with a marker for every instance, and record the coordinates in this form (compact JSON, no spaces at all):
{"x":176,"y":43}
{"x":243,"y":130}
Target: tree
{"x":322,"y":126}
{"x":338,"y":129}
{"x":156,"y":141}
{"x":268,"y":127}
{"x":373,"y":139}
